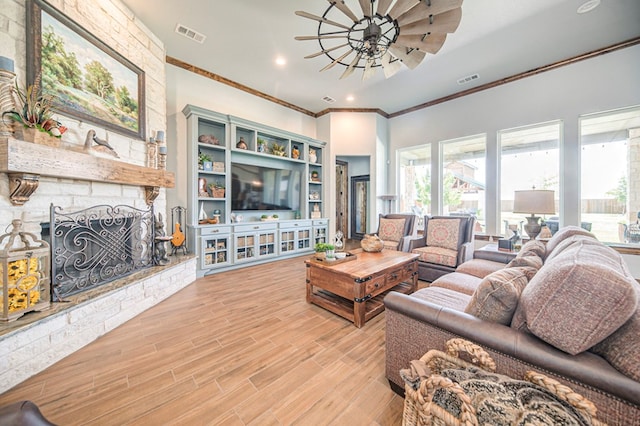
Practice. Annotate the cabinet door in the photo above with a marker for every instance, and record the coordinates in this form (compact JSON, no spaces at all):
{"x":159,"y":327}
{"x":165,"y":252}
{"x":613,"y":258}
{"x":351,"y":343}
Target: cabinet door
{"x":245,"y":248}
{"x":267,"y":243}
{"x":304,"y":239}
{"x":215,"y":251}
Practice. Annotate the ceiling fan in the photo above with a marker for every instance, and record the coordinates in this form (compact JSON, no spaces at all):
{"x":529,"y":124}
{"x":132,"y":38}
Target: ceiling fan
{"x":387,"y":34}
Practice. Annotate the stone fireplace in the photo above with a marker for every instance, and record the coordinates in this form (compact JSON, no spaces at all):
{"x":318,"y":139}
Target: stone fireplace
{"x":66,"y":176}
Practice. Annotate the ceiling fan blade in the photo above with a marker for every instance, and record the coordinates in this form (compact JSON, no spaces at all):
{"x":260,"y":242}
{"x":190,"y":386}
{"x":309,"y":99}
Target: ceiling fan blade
{"x":401,"y":7}
{"x":366,"y":7}
{"x":389,"y":67}
{"x":320,"y":19}
{"x":325,"y":51}
{"x":446,"y":22}
{"x":344,"y":9}
{"x":322,"y":37}
{"x":430,"y":43}
{"x":335,"y":61}
{"x":383,"y":6}
{"x":424,"y":10}
{"x":351,"y":68}
{"x":369,"y":69}
{"x":411,"y":59}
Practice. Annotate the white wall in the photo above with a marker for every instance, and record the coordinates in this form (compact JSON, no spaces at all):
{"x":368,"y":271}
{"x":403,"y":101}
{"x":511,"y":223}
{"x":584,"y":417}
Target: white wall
{"x":184,"y":87}
{"x":603,"y":83}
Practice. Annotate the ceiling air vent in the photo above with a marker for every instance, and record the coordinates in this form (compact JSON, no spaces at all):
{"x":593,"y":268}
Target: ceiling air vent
{"x":328,"y":99}
{"x":467,"y":79}
{"x":189,"y":33}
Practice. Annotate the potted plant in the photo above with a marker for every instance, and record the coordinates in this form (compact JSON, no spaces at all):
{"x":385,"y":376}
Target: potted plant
{"x":277,"y":149}
{"x":205,"y":162}
{"x":35,"y":115}
{"x":315,"y":176}
{"x":261,"y":144}
{"x":325,"y":250}
{"x":217,"y":190}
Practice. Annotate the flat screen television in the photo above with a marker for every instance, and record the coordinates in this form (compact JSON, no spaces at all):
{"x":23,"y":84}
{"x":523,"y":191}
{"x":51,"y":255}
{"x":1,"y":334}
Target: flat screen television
{"x":256,"y":187}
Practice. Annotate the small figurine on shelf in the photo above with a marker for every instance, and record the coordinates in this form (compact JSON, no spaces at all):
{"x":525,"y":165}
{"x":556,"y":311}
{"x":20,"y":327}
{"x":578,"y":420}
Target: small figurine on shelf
{"x":312,"y":155}
{"x":295,"y":152}
{"x":202,"y":187}
{"x":241,"y":144}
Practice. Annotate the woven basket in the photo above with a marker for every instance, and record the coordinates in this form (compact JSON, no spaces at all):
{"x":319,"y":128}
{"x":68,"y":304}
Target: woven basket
{"x":420,"y":410}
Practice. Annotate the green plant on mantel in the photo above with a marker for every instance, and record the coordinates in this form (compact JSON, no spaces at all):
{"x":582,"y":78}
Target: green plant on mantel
{"x":34,"y":110}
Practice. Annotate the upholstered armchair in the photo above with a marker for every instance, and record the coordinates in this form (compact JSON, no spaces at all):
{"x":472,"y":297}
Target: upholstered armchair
{"x":396,"y":230}
{"x":446,"y":243}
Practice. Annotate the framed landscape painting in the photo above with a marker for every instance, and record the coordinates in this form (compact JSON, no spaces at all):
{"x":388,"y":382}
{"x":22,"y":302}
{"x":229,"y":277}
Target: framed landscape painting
{"x":88,"y":80}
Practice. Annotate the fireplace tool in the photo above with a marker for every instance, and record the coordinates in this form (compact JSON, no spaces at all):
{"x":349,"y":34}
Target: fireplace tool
{"x":178,"y":240}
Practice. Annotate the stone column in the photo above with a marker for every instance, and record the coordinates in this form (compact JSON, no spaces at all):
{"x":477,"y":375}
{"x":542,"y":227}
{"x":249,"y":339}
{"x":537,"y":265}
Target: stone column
{"x":633,"y":185}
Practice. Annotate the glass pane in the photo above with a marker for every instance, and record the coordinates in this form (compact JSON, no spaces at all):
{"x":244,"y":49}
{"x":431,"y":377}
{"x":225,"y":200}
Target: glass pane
{"x":529,"y":159}
{"x":464,"y":172}
{"x":610,"y":177}
{"x":415,"y":180}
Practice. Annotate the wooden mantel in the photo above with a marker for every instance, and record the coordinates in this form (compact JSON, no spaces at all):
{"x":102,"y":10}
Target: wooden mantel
{"x":24,"y":162}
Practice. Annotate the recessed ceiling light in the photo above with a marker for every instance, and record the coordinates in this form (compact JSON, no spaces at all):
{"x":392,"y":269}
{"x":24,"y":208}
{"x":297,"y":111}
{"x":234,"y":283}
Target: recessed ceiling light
{"x":588,"y":6}
{"x":281,"y":61}
{"x":350,"y":98}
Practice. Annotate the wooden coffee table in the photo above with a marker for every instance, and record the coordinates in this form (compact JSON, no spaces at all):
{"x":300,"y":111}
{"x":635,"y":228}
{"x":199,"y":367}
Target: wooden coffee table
{"x":355,"y":289}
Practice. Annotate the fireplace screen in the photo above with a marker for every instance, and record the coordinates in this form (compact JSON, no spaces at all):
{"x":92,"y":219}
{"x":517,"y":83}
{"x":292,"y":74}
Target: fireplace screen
{"x":97,"y":245}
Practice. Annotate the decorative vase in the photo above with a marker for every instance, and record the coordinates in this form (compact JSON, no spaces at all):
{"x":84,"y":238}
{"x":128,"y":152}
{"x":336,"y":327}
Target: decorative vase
{"x":372,"y":243}
{"x":30,"y":134}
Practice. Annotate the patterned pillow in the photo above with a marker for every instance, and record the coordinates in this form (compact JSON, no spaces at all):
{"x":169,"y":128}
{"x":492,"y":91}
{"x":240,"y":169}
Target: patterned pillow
{"x":497,"y":295}
{"x":621,"y":348}
{"x":578,"y":298}
{"x":391,"y":229}
{"x":563,"y":234}
{"x":533,"y":248}
{"x":444,"y":233}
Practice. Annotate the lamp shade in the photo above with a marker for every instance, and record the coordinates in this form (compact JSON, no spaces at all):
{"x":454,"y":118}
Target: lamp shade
{"x":534,"y":202}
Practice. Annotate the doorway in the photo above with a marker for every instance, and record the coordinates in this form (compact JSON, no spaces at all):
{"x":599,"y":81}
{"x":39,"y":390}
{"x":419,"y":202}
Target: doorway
{"x":342,"y":197}
{"x":359,"y":206}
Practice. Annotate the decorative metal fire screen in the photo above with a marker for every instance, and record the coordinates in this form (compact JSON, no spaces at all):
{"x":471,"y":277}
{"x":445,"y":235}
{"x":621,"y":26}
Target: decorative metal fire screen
{"x":97,"y":245}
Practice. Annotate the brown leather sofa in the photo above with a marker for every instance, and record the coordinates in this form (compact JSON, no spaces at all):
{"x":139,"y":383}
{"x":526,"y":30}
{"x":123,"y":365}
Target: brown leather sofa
{"x":430,"y":317}
{"x":22,"y":413}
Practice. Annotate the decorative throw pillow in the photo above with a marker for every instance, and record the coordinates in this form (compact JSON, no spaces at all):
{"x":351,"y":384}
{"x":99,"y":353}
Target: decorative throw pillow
{"x":578,"y":298}
{"x":528,"y":261}
{"x":533,"y":248}
{"x":391,"y":229}
{"x":621,"y":348}
{"x":444,"y":233}
{"x":497,"y":295}
{"x":564,"y":233}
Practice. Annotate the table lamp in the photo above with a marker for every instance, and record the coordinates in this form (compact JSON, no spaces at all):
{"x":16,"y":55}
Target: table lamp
{"x":534,"y":202}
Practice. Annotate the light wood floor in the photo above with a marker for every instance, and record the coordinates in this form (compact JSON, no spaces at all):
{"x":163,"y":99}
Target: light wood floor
{"x":235,"y":348}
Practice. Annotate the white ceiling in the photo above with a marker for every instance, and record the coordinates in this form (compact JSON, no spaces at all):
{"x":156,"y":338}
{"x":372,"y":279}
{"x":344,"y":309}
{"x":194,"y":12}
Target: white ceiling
{"x":496,"y":39}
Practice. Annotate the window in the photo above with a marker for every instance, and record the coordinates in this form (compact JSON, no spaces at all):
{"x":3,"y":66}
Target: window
{"x":415,"y":180}
{"x":529,"y":158}
{"x":463,"y":177}
{"x":610,"y":175}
